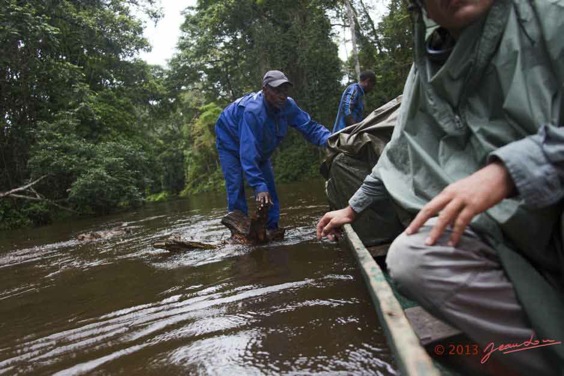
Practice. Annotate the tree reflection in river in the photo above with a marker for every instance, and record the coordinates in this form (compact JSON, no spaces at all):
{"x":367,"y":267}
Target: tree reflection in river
{"x":120,"y":306}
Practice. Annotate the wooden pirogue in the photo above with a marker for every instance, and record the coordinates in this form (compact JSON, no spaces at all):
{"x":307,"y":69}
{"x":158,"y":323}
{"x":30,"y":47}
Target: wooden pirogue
{"x":421,"y":344}
{"x":411,"y":357}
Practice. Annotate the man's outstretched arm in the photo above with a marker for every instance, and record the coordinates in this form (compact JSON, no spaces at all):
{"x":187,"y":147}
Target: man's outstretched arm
{"x":330,"y":224}
{"x":371,"y":190}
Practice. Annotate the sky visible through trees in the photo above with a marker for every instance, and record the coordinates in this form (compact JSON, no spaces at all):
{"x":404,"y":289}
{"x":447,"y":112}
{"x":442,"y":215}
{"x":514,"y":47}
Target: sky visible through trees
{"x":163,"y":35}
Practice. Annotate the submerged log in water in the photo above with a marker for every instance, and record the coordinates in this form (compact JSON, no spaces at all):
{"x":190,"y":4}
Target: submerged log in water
{"x":244,"y":230}
{"x":104,"y":234}
{"x":177,"y":244}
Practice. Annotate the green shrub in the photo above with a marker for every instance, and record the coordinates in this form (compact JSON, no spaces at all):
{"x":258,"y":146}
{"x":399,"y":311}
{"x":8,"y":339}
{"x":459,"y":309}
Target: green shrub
{"x":163,"y":196}
{"x":38,"y":213}
{"x":11,"y":217}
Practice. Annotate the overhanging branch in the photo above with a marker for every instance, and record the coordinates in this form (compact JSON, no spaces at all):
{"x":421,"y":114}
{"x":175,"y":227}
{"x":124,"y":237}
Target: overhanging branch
{"x":23,"y":188}
{"x":31,"y":194}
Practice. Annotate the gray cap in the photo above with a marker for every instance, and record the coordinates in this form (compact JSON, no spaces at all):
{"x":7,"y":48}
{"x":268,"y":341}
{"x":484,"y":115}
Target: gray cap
{"x":275,"y":78}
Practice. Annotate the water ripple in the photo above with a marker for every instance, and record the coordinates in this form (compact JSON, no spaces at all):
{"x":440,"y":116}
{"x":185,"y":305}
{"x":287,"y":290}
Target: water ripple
{"x":131,"y":326}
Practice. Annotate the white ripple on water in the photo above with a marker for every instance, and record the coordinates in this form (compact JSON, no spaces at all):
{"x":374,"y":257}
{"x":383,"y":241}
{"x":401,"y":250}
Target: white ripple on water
{"x":218,"y":355}
{"x":21,"y":290}
{"x":134,"y":327}
{"x":211,"y":231}
{"x":56,"y":258}
{"x":34,"y":254}
{"x":332,"y":303}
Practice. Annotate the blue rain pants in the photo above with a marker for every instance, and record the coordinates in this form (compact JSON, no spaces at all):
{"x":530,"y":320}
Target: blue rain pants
{"x":234,"y":184}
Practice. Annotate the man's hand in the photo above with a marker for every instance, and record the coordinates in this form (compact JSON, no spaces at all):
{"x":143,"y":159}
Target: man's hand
{"x":330,"y":224}
{"x":461,"y":201}
{"x":264,"y":198}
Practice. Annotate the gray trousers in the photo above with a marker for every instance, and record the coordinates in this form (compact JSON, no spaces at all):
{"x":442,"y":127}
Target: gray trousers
{"x":467,"y":287}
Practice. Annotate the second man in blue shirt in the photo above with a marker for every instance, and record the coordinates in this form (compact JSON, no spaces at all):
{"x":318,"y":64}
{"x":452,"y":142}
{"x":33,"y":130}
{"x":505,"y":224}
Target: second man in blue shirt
{"x":351,"y":107}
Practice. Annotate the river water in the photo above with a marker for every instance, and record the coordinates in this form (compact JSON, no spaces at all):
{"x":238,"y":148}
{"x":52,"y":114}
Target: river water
{"x":120,"y":306}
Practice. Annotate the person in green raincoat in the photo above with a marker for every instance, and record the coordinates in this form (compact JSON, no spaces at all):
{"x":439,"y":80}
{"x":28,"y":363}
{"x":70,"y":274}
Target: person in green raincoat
{"x":475,"y":170}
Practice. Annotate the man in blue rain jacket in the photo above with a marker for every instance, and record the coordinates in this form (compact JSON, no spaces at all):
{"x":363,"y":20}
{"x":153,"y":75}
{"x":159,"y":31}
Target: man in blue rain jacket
{"x":247,"y":133}
{"x":351,"y":107}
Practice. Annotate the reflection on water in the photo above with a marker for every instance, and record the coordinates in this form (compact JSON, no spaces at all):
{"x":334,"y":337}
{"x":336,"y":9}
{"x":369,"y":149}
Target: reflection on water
{"x":120,"y":306}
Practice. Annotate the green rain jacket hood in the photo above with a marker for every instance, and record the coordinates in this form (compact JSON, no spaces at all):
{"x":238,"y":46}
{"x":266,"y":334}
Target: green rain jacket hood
{"x":497,"y":94}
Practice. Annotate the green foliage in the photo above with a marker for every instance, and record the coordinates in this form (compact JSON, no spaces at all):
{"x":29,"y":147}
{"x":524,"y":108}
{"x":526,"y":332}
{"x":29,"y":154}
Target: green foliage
{"x":107,"y":129}
{"x":296,"y":160}
{"x":163,"y":196}
{"x":202,"y":169}
{"x":101,"y":191}
{"x":115,"y":177}
{"x":395,"y":57}
{"x":386,"y":49}
{"x":171,"y":163}
{"x":11,"y":216}
{"x":38,"y":212}
{"x":227,"y":46}
{"x":59,"y":153}
{"x":19,"y":213}
{"x":96,"y":178}
{"x":72,"y":101}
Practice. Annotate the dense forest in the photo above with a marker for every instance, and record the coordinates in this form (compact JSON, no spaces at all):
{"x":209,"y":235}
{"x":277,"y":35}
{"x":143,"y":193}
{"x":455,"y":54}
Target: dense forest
{"x":89,"y":128}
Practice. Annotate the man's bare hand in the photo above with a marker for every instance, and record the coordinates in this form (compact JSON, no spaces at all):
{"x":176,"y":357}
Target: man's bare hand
{"x":461,"y":201}
{"x":330,"y":224}
{"x":264,"y":198}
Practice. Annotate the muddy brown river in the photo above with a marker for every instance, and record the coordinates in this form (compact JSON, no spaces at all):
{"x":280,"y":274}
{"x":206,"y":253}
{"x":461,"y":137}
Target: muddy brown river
{"x":119,"y":306}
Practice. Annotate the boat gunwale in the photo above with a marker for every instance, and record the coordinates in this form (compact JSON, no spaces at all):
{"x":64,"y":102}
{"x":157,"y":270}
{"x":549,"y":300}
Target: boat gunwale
{"x":411,"y":357}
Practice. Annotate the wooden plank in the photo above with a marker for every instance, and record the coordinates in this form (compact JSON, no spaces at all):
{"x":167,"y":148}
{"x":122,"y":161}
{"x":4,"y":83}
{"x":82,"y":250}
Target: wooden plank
{"x":428,"y":328}
{"x":411,"y":357}
{"x":378,"y":250}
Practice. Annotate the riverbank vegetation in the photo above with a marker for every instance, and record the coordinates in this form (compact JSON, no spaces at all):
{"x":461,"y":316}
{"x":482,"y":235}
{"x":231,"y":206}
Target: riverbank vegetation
{"x":88,"y":128}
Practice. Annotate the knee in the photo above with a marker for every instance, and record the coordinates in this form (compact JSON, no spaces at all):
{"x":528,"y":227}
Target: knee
{"x":404,"y":264}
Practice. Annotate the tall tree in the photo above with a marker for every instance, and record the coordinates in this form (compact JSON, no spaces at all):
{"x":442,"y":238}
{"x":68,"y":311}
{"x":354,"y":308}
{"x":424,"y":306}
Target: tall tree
{"x":67,"y":66}
{"x":227,"y":46}
{"x":386,"y":48}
